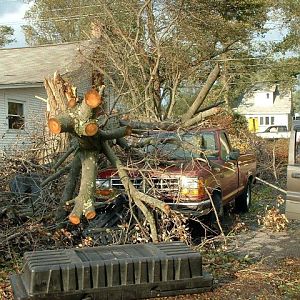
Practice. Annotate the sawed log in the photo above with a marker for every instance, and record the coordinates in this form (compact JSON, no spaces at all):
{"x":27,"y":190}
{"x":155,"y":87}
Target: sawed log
{"x":84,"y":202}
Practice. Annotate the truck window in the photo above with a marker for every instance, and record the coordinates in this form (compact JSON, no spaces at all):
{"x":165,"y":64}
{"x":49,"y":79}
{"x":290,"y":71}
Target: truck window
{"x":176,"y":146}
{"x":208,"y":144}
{"x":225,"y":148}
{"x":297,"y":148}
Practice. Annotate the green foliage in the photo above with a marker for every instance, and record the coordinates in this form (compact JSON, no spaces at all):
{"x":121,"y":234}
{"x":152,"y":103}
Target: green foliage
{"x":296,"y":101}
{"x":239,"y":122}
{"x":288,"y":11}
{"x":149,"y":50}
{"x":6,"y":34}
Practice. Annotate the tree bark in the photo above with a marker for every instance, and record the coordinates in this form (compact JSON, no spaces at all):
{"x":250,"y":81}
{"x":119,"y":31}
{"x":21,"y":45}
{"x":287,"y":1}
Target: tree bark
{"x":201,"y":116}
{"x":214,"y":74}
{"x":70,"y":187}
{"x":131,"y":190}
{"x":115,"y":133}
{"x":57,"y":103}
{"x":115,"y":161}
{"x":84,"y":202}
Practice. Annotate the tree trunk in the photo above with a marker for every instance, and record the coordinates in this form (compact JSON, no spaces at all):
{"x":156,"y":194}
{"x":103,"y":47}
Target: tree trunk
{"x":84,"y":202}
{"x":70,"y":187}
{"x":57,"y":103}
{"x":214,"y":74}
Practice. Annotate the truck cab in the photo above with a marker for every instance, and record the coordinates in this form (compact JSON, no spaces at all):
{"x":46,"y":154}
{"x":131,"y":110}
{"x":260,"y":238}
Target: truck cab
{"x":189,"y":170}
{"x":293,"y":174}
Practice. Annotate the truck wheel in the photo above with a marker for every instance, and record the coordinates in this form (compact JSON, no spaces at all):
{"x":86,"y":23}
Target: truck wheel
{"x":243,"y":202}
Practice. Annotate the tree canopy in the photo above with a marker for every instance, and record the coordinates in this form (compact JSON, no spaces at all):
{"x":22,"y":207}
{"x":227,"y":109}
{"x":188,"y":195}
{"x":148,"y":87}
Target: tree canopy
{"x":153,"y":53}
{"x":6,"y":34}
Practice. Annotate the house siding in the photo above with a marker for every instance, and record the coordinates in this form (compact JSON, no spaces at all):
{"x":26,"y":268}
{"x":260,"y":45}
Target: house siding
{"x":81,"y":79}
{"x":261,"y":105}
{"x":279,"y":119}
{"x":34,"y":114}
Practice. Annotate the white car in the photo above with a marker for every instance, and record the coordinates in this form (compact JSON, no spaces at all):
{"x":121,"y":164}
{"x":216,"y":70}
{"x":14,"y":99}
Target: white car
{"x":275,"y":132}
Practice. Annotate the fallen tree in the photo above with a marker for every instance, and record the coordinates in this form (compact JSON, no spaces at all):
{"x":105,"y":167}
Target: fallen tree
{"x":95,"y":131}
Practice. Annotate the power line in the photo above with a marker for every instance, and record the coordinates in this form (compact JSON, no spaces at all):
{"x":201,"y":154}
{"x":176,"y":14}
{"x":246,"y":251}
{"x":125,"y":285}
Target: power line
{"x":242,"y":59}
{"x":72,"y":8}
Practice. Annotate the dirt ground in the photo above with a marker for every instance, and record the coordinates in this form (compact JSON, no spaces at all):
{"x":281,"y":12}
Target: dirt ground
{"x":256,"y":262}
{"x":251,"y":262}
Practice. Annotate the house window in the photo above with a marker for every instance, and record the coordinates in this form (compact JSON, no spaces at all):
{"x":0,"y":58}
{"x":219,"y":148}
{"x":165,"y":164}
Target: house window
{"x":261,"y":121}
{"x":272,"y":120}
{"x":267,"y":121}
{"x":15,"y":115}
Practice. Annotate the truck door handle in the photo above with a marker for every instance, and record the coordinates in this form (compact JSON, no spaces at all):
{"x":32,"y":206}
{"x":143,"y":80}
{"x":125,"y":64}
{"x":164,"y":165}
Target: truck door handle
{"x":295,"y":175}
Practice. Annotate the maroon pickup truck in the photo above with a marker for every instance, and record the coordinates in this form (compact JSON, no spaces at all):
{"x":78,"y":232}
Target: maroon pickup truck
{"x":187,"y":167}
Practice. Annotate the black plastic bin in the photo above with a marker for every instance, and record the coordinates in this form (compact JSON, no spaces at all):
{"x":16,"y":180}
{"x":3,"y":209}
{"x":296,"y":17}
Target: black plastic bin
{"x":111,"y":272}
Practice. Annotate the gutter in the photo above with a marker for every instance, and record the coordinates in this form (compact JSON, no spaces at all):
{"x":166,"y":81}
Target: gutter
{"x":21,"y":85}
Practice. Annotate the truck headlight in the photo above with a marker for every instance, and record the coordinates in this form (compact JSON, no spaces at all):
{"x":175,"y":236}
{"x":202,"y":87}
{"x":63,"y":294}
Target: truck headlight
{"x":103,"y":187}
{"x":189,"y":182}
{"x":192,"y":186}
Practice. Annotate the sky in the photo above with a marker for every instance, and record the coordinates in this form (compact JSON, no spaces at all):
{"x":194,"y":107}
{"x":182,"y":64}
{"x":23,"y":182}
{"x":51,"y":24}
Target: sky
{"x":11,"y":14}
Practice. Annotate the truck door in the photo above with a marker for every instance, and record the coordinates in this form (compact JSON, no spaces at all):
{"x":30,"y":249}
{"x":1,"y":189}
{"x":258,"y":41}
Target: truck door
{"x":229,"y":172}
{"x":293,"y":175}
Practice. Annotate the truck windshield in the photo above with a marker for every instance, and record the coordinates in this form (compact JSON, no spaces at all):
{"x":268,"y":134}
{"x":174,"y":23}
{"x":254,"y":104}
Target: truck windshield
{"x":174,"y":146}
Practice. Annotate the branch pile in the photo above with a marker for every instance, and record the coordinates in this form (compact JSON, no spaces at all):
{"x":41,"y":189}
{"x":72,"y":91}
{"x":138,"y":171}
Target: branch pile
{"x":94,"y":131}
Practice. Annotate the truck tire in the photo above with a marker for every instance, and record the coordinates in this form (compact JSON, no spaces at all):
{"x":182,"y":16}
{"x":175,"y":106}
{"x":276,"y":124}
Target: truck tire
{"x":243,"y":201}
{"x":217,"y":200}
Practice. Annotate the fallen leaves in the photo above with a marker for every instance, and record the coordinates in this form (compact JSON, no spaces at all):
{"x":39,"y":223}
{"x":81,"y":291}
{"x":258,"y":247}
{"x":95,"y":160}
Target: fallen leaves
{"x":273,"y":218}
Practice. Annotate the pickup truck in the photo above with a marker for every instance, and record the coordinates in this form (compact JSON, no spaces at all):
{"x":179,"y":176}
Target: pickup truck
{"x":292,"y":208}
{"x":188,"y":170}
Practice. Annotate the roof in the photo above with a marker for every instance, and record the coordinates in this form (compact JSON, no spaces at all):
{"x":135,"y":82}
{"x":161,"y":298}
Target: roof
{"x":31,"y":65}
{"x":282,"y":103}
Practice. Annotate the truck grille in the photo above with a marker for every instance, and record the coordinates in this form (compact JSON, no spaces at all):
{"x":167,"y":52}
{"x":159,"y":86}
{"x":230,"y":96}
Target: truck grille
{"x":166,"y":184}
{"x":116,"y":183}
{"x":161,"y":184}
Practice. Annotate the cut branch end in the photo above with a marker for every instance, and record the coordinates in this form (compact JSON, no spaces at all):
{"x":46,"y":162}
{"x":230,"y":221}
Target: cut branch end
{"x":72,"y":103}
{"x":74,"y":219}
{"x":92,"y":98}
{"x":54,"y":125}
{"x":91,"y":129}
{"x":90,"y":214}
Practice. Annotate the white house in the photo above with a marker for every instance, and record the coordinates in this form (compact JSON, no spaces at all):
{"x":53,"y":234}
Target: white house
{"x":22,"y":72}
{"x":264,"y":106}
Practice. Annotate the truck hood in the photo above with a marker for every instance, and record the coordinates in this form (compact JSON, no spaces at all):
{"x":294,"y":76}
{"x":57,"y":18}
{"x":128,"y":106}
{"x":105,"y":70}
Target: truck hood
{"x":192,"y":168}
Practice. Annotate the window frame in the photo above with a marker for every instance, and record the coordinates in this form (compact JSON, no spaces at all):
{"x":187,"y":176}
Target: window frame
{"x":23,"y":103}
{"x":228,"y":144}
{"x":272,"y":119}
{"x":261,"y":121}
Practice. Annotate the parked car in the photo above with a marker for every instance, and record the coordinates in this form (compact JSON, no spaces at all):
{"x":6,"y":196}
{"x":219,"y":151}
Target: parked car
{"x":189,"y":167}
{"x":293,"y":174}
{"x":275,"y":132}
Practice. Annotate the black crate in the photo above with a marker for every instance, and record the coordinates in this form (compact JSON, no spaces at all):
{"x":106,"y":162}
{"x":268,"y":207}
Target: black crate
{"x":111,"y":272}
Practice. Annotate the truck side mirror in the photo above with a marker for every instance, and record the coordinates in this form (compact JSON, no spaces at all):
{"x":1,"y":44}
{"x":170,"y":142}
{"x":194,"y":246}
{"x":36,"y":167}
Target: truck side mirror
{"x":234,"y":154}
